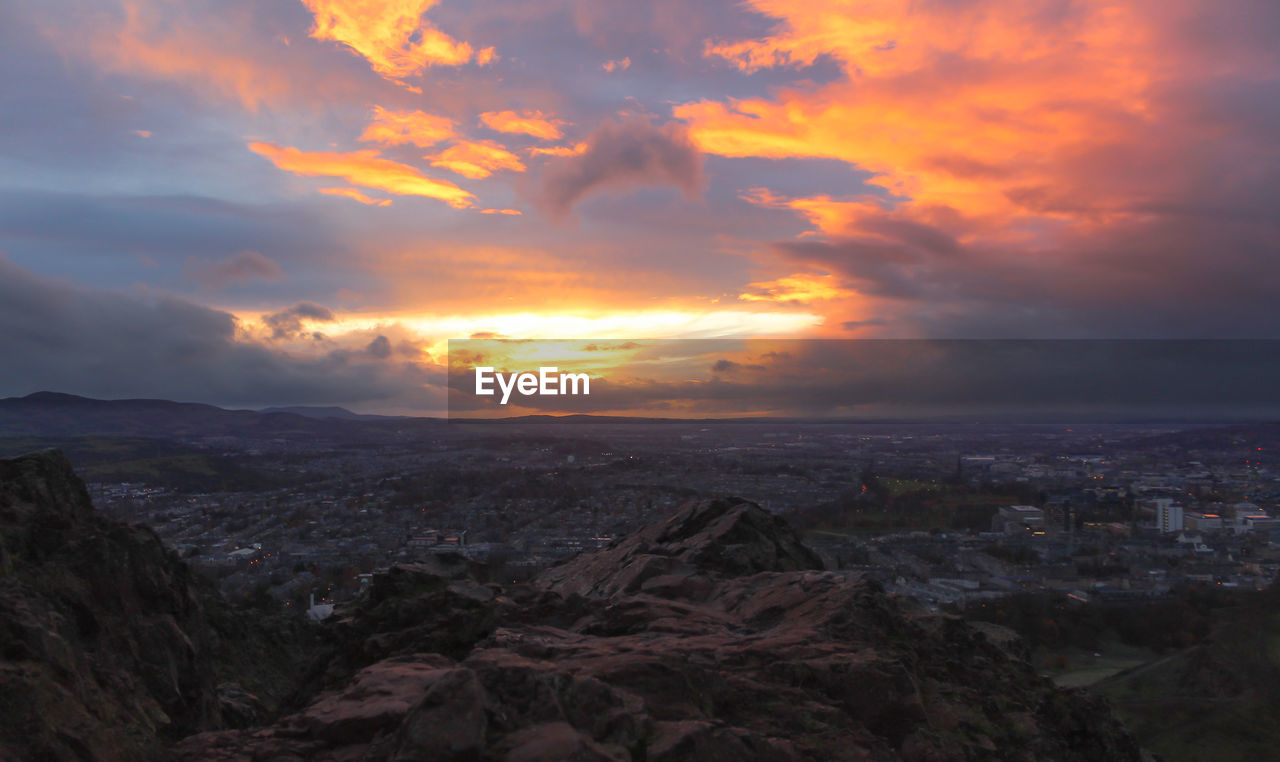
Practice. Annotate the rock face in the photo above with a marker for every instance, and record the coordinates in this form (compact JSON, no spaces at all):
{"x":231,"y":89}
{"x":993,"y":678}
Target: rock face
{"x":104,"y":648}
{"x":713,"y":636}
{"x":728,"y":536}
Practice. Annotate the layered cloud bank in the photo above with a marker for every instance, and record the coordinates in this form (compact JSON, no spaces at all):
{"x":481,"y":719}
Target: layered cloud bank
{"x":864,"y":169}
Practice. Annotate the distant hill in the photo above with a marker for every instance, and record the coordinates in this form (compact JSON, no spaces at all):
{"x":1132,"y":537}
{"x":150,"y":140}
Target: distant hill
{"x":55,"y":415}
{"x":321,"y":413}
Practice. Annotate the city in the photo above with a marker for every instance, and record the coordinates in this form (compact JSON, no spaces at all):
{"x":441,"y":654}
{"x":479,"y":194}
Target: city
{"x":946,"y":514}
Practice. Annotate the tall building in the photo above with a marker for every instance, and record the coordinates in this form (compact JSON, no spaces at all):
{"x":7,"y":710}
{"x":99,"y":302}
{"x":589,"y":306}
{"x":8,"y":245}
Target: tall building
{"x":1168,"y":515}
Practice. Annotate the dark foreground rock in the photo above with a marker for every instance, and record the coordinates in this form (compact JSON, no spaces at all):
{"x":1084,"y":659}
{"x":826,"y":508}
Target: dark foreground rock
{"x":110,"y":648}
{"x":713,"y":636}
{"x":104,"y":648}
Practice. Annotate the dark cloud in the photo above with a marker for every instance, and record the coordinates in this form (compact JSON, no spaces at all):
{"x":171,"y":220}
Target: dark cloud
{"x":982,"y":380}
{"x":240,"y":268}
{"x":729,"y":366}
{"x":625,"y":153}
{"x":141,"y":344}
{"x":180,"y":235}
{"x":379,"y":348}
{"x":287,"y":323}
{"x":1204,"y":266}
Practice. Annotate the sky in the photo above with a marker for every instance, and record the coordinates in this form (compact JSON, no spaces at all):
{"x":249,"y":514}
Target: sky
{"x":299,"y":202}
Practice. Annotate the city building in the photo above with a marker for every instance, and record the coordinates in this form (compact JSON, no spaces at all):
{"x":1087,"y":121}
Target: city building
{"x":1168,"y":515}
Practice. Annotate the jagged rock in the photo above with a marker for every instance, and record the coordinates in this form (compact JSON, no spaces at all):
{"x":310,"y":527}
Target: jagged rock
{"x":104,"y":646}
{"x":448,"y":723}
{"x":239,"y":708}
{"x":559,"y":741}
{"x":712,"y":636}
{"x":417,"y":608}
{"x":721,"y":537}
{"x":110,"y":647}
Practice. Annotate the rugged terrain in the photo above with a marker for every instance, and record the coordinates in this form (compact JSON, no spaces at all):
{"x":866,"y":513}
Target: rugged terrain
{"x":713,"y":635}
{"x":110,"y":648}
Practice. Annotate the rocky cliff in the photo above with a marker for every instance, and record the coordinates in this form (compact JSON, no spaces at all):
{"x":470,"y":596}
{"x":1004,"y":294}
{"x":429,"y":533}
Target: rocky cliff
{"x":110,"y":648}
{"x":715,"y":635}
{"x":104,"y":647}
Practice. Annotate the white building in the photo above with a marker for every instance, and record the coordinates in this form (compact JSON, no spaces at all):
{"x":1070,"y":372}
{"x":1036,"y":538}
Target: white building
{"x":1168,"y":515}
{"x":1202,"y":521}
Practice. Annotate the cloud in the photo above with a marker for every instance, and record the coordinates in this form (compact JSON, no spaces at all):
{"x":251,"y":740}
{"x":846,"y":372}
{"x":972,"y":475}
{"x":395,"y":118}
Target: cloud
{"x":1037,"y":168}
{"x":392,"y":36}
{"x":724,"y":365}
{"x":289,"y":323}
{"x":476,"y":159}
{"x":572,"y":150}
{"x":801,"y":288}
{"x":356,"y":195}
{"x":234,"y":50}
{"x":393,"y":128}
{"x":1035,"y":380}
{"x":137,"y":343}
{"x":534,"y":123}
{"x":621,"y":64}
{"x":380,"y":347}
{"x":102,"y":235}
{"x":620,"y":154}
{"x":945,"y":107}
{"x":239,"y":268}
{"x":1144,"y":278}
{"x":365,"y":168}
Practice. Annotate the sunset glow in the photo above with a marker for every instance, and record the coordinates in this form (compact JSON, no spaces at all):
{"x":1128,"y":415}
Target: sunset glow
{"x":304,"y":178}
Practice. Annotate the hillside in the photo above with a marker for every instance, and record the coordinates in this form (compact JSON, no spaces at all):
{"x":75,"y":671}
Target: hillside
{"x":1215,"y":702}
{"x":50,"y":414}
{"x":712,"y":635}
{"x":110,"y":647}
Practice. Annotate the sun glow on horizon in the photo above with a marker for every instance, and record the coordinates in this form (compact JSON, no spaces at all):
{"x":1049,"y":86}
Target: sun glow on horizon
{"x":436,"y":330}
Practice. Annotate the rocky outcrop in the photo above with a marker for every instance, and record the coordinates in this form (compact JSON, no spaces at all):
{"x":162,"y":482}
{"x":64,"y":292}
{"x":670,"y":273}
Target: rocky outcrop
{"x":705,"y":540}
{"x":104,"y":648}
{"x":110,"y":647}
{"x":713,"y":636}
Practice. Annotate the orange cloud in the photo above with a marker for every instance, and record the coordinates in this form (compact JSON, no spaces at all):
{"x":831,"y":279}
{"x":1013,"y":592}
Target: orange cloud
{"x":795,"y":289}
{"x":356,"y":195}
{"x":476,"y":159}
{"x":513,"y":212}
{"x":534,"y":123}
{"x":144,"y":44}
{"x":980,"y":115}
{"x":558,"y":150}
{"x":393,"y":128}
{"x":364,"y":168}
{"x":830,"y":216}
{"x":390,"y":34}
{"x":618,"y":65}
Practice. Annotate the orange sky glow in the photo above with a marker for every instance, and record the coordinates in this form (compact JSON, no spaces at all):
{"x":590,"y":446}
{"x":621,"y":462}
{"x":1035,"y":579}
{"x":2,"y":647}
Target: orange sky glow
{"x":321,"y":173}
